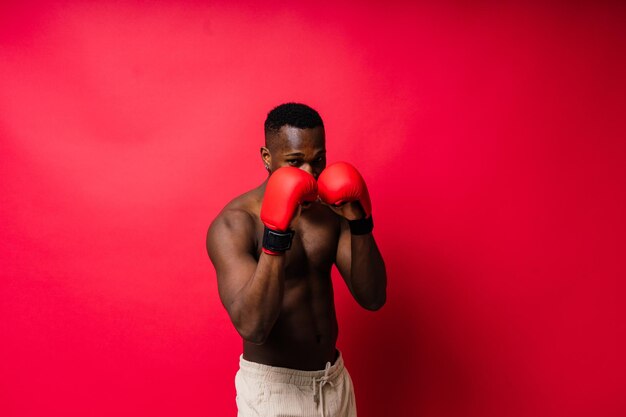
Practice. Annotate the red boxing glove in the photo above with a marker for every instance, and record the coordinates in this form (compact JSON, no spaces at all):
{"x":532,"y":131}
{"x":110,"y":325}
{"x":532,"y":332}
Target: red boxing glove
{"x":287,"y":188}
{"x":341,"y":183}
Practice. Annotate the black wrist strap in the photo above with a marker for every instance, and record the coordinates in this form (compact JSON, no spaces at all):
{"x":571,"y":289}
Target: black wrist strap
{"x":276,"y":241}
{"x":361,"y":226}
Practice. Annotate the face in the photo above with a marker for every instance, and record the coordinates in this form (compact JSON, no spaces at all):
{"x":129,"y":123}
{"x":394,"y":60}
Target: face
{"x":300,"y":148}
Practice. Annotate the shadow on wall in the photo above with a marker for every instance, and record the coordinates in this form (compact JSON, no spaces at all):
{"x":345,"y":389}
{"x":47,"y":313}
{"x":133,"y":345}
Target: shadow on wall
{"x":401,"y":357}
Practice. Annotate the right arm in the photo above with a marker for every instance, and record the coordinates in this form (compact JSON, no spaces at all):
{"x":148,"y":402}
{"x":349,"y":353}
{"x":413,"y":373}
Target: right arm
{"x":251,"y":291}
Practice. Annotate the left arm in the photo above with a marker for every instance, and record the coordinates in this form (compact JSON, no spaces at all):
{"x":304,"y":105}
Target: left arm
{"x":362,"y":267}
{"x":358,"y":259}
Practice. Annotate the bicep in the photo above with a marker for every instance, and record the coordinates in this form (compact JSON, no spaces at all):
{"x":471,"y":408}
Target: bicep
{"x":230,"y":244}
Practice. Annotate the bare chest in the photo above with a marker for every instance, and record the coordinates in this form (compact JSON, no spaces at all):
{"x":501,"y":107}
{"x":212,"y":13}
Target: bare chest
{"x":314,"y":246}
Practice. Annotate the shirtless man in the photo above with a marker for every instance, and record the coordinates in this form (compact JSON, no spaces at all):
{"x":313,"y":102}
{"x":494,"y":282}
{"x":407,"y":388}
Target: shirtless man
{"x":273,"y":249}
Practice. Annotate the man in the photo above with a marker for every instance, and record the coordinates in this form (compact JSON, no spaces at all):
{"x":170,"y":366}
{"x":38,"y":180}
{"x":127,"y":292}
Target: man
{"x":273,"y":249}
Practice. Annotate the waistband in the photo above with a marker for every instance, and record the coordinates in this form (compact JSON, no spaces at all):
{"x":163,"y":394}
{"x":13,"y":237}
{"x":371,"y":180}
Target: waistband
{"x":288,"y":375}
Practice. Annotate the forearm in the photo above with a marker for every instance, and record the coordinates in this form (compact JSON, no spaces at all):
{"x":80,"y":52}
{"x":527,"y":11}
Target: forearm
{"x":368,"y":276}
{"x":257,"y":305}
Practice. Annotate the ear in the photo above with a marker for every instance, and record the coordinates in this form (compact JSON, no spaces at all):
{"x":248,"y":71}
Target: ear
{"x":266,"y":157}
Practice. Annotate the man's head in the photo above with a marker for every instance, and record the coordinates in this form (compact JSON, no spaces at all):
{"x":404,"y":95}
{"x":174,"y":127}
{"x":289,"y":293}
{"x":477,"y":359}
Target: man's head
{"x":294,"y":136}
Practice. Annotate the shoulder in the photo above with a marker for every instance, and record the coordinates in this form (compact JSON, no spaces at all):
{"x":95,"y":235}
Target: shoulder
{"x":237,"y":220}
{"x":232,"y":219}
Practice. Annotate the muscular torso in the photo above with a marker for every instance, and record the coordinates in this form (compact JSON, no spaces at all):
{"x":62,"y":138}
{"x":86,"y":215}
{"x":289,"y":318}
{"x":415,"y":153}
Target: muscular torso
{"x":305,"y":332}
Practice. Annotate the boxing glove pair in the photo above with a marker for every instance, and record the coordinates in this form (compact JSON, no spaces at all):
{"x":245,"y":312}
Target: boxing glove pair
{"x":289,"y":187}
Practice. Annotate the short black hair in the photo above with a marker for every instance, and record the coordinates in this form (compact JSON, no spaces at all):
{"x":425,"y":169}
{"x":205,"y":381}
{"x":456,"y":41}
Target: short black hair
{"x":292,"y":114}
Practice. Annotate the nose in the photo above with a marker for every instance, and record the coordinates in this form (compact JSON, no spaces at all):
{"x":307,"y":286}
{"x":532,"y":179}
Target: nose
{"x":308,"y":168}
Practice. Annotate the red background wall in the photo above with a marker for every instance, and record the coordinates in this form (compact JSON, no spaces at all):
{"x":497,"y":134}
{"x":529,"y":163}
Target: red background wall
{"x":492,"y":139}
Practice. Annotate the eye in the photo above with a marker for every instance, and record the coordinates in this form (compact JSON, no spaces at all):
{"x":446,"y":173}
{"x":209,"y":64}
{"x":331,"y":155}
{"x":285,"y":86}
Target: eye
{"x":293,"y":162}
{"x":319,"y":160}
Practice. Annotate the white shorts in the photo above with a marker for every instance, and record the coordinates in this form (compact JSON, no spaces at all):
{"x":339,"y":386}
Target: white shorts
{"x":270,"y":391}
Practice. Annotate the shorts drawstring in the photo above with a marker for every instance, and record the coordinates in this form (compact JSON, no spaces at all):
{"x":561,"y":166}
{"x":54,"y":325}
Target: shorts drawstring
{"x":318,"y":384}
